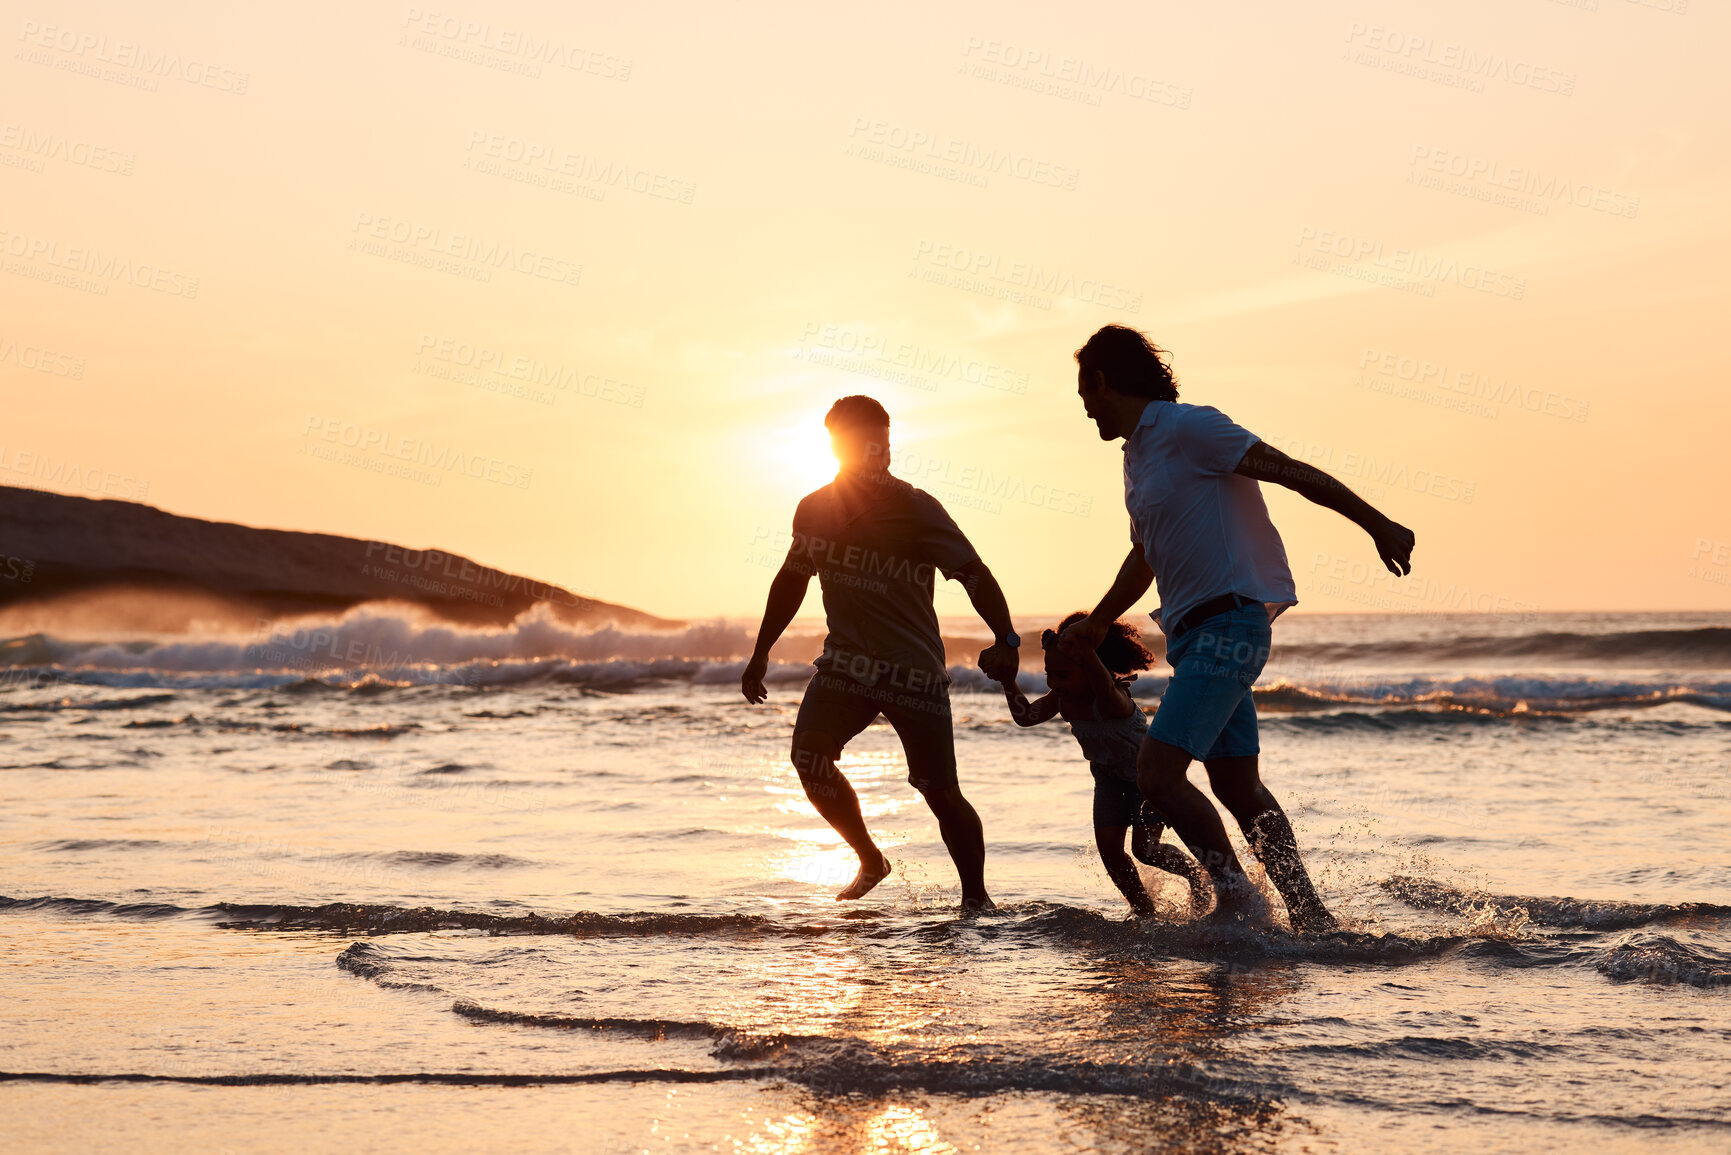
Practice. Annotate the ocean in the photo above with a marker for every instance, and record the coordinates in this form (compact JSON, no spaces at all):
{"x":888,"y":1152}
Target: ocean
{"x":383,"y":881}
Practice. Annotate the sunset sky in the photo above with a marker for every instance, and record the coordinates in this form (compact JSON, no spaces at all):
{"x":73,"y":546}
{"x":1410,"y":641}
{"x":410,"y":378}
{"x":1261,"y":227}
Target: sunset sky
{"x":568,"y":290}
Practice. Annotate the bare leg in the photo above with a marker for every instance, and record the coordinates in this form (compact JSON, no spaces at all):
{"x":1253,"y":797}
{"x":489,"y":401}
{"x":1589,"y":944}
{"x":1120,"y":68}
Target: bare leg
{"x":1160,"y":774}
{"x":1119,"y":868}
{"x":966,"y":841}
{"x":1146,"y":845}
{"x":1237,"y":782}
{"x":833,"y":796}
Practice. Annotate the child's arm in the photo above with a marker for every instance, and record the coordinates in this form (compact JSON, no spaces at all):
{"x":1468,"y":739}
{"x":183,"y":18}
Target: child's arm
{"x":1115,"y":701}
{"x":1027,"y":713}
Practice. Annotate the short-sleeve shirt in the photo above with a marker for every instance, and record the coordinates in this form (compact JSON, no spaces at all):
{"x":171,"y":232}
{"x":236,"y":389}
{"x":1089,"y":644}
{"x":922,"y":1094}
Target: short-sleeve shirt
{"x":876,"y":545}
{"x":1204,"y":529}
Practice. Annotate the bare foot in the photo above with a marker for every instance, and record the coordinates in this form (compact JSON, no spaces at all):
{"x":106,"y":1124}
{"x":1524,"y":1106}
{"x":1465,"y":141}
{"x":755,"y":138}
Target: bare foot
{"x":866,"y":879}
{"x":975,"y":905}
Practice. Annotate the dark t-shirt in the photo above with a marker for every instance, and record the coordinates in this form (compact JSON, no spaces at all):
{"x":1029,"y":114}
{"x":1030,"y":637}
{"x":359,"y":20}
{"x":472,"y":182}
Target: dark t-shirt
{"x":875,"y":545}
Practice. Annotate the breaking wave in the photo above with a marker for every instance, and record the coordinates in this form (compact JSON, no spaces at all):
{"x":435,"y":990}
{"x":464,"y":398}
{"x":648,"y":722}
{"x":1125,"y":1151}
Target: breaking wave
{"x":377,"y":646}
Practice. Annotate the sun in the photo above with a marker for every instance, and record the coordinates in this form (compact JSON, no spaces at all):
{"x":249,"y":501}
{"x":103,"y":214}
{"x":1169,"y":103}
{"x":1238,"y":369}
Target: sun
{"x":800,"y":456}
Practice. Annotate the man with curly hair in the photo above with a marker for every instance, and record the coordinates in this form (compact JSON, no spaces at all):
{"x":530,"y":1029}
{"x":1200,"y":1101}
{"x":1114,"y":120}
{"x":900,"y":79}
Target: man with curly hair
{"x":1200,"y":531}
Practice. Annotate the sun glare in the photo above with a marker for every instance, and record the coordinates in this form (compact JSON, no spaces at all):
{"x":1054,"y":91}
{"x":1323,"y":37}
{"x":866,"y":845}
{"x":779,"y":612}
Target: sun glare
{"x":801,"y":457}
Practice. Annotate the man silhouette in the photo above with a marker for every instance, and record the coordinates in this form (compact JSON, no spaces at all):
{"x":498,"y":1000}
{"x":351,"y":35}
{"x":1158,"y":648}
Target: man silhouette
{"x":876,"y":544}
{"x":1200,"y":529}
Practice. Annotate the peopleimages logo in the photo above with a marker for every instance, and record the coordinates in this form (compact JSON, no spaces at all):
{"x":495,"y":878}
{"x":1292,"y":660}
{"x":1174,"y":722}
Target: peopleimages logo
{"x":1524,"y":180}
{"x":447,"y":572}
{"x":1023,"y":277}
{"x":852,"y":348}
{"x":972,"y":484}
{"x":531,"y":372}
{"x":1420,"y":371}
{"x":380,"y":450}
{"x":1411,"y":262}
{"x":1426,"y":58}
{"x":872,"y":137}
{"x":45,"y":146}
{"x":80,"y":262}
{"x":587,"y":168}
{"x":1069,"y":76}
{"x":1387,"y":472}
{"x":65,"y":472}
{"x":432,"y":242}
{"x":40,"y":359}
{"x":526,"y":46}
{"x":151,"y":65}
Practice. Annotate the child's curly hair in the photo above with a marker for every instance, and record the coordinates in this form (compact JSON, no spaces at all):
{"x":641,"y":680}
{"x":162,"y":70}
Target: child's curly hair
{"x":1122,"y":652}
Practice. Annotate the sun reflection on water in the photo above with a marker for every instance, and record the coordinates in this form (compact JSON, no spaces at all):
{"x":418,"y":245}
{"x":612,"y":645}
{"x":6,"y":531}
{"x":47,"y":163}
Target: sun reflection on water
{"x":901,"y":1128}
{"x":790,"y":1135}
{"x":892,"y":1129}
{"x":808,"y":993}
{"x":818,"y":856}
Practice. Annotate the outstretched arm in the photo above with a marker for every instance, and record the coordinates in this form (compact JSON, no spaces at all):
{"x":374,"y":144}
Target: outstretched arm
{"x":997,"y":661}
{"x":1026,"y":713}
{"x":786,"y":594}
{"x":1134,"y":578}
{"x":1115,"y":701}
{"x":1394,"y":542}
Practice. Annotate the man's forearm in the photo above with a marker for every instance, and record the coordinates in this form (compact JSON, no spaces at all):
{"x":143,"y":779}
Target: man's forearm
{"x":1265,"y":463}
{"x":1332,"y":494}
{"x":1132,"y":582}
{"x":989,"y":601}
{"x":786,"y":595}
{"x":1394,"y":542}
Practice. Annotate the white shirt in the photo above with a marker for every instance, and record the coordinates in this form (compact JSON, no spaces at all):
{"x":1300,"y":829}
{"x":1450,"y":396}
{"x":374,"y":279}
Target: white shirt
{"x":1204,"y":529}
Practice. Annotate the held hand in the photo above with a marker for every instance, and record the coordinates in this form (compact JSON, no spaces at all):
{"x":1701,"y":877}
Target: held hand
{"x":999,"y":663}
{"x":751,"y":681}
{"x":1394,"y":544}
{"x":1082,"y":638}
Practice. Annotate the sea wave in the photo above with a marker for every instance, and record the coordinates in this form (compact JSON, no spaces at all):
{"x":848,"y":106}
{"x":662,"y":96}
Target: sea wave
{"x":1509,"y":695}
{"x":59,"y":688}
{"x":1500,"y":932}
{"x":395,"y":1078}
{"x":381,"y":640}
{"x":396,"y":643}
{"x":1706,"y":646}
{"x":1661,"y":960}
{"x":1565,"y":913}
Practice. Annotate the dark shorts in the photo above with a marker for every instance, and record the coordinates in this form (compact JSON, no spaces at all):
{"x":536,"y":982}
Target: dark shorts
{"x":839,"y":707}
{"x":1207,"y":710}
{"x":1119,"y":803}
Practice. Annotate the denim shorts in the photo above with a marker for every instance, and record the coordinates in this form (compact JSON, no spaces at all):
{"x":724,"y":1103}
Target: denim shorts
{"x":1207,"y":711}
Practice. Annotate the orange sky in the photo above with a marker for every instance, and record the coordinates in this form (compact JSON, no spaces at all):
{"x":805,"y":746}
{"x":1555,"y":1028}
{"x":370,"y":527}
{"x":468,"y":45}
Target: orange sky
{"x":568,"y":291}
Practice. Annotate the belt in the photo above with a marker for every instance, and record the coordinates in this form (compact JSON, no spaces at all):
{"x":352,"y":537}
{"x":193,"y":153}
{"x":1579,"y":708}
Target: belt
{"x":1224,"y":604}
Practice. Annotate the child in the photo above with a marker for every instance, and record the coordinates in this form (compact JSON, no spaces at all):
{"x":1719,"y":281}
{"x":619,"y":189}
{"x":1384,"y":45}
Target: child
{"x":1092,"y":695}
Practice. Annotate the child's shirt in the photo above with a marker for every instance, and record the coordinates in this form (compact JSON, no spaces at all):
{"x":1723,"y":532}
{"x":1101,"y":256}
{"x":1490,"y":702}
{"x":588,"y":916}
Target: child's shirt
{"x":1110,"y":744}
